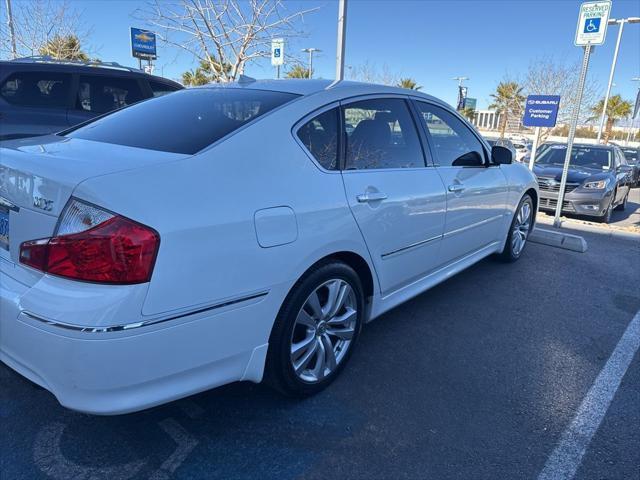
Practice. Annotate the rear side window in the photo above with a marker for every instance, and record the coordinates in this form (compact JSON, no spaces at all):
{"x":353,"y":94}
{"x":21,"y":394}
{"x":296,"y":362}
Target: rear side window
{"x":159,"y":88}
{"x":320,"y":136}
{"x":37,"y":89}
{"x":185,"y":122}
{"x":101,"y":94}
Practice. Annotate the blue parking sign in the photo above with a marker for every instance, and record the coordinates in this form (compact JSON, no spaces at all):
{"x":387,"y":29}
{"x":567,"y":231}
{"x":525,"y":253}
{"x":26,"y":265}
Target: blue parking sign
{"x":541,"y":111}
{"x":592,"y":25}
{"x":276,"y":52}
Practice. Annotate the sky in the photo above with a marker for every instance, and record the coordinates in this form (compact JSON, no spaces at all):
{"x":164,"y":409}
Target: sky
{"x":431,"y":41}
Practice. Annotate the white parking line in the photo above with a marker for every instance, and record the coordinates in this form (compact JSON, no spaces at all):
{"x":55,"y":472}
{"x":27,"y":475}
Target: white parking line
{"x":567,"y":456}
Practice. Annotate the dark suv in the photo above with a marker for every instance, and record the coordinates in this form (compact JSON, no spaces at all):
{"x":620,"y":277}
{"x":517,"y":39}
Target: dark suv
{"x":39,"y":95}
{"x":598,"y":179}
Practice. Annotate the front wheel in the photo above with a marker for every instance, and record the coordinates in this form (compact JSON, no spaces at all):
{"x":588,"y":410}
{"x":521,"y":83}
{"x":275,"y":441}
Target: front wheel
{"x":316,"y":330}
{"x":519,"y":230}
{"x":606,"y":216}
{"x":622,"y":207}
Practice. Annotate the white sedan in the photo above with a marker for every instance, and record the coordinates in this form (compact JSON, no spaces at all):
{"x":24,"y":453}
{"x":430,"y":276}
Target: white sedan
{"x":238,"y":232}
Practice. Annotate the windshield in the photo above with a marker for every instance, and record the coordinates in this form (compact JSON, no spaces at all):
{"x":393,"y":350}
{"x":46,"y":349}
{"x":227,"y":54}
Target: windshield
{"x":598,"y":158}
{"x":182,"y":122}
{"x":631,"y":155}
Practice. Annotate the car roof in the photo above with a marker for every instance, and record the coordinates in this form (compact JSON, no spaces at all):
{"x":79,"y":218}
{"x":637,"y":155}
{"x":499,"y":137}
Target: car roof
{"x":114,"y":69}
{"x":305,"y":86}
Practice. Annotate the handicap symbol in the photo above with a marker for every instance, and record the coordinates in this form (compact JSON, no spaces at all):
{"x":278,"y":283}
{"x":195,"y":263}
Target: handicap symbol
{"x":592,"y":25}
{"x":276,"y":52}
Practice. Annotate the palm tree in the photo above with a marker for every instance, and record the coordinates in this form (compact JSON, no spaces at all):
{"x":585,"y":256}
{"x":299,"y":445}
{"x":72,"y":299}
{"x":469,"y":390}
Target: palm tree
{"x":507,"y":100}
{"x":298,"y":71}
{"x":409,"y":83}
{"x":617,"y":108}
{"x":64,"y":47}
{"x":468,"y":113}
{"x":210,"y":70}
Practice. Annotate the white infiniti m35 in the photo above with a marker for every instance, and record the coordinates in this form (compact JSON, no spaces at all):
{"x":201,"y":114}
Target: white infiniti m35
{"x":238,"y":232}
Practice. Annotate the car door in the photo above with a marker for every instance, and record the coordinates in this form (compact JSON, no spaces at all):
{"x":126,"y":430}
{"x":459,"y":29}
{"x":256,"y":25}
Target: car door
{"x":34,"y":103}
{"x":395,"y":195}
{"x":98,"y":94}
{"x":623,"y":174}
{"x":476,"y":189}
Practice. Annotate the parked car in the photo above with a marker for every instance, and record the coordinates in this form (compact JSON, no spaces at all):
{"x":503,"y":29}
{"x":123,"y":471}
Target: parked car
{"x":39,"y":95}
{"x":633,"y":159}
{"x":503,"y":142}
{"x":239,"y":232}
{"x":598,"y":179}
{"x":523,"y":149}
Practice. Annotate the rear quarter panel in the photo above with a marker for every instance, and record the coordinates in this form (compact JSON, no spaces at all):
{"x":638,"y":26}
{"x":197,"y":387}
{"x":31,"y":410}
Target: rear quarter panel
{"x":204,"y":209}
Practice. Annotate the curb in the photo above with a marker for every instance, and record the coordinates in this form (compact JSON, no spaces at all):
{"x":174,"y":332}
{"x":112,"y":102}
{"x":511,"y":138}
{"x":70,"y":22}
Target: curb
{"x":556,"y":239}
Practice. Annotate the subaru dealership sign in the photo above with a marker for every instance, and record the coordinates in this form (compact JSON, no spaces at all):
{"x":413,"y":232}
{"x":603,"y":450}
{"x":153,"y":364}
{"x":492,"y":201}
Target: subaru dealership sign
{"x":541,"y":111}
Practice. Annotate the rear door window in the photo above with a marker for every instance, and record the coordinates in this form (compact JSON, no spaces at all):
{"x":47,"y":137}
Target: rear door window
{"x":37,"y":89}
{"x":159,"y":88}
{"x":185,"y":122}
{"x":381,"y":134}
{"x":101,"y":94}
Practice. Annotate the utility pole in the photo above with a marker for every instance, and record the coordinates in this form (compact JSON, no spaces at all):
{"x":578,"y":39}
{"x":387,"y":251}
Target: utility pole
{"x":311,"y":51}
{"x":342,"y":34}
{"x":621,"y":23}
{"x":12,"y":33}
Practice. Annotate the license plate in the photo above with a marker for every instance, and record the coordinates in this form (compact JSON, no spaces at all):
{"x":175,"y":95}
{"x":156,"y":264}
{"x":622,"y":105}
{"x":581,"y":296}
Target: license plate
{"x":4,"y":229}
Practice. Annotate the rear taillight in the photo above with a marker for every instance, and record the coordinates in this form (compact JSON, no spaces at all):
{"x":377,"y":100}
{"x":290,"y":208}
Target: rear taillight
{"x":93,"y":245}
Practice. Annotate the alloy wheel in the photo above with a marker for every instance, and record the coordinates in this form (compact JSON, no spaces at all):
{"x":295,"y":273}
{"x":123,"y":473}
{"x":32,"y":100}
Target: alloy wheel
{"x":323,"y":330}
{"x":521,"y":228}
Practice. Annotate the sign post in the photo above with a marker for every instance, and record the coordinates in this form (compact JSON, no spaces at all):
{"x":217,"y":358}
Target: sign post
{"x":540,"y":111}
{"x":277,"y":54}
{"x":143,"y":45}
{"x":591,"y":30}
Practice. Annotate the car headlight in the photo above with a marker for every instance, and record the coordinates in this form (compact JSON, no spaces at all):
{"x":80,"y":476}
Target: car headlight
{"x":599,"y":185}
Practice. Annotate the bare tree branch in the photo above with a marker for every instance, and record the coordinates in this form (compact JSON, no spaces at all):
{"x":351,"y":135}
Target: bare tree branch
{"x":222,"y":32}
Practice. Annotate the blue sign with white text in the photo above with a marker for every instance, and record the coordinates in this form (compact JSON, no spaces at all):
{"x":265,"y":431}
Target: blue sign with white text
{"x":541,"y":111}
{"x":143,"y":43}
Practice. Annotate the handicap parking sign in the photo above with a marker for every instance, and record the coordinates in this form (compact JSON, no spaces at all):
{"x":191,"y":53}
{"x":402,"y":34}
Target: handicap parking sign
{"x":276,"y":52}
{"x":592,"y":25}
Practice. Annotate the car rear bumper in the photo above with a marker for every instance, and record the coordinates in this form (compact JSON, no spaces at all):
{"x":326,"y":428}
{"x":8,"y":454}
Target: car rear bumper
{"x":579,"y":203}
{"x":124,"y":371}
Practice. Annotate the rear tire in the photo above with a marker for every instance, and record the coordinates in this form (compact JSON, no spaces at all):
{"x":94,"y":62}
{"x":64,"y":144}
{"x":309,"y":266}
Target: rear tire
{"x":519,"y":230}
{"x":316,"y":330}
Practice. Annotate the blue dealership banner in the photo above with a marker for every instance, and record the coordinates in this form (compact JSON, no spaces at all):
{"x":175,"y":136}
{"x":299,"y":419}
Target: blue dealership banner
{"x":541,"y":111}
{"x":143,"y":43}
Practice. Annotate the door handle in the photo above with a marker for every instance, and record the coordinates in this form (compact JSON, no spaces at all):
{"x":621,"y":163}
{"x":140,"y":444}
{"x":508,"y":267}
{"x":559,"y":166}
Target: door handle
{"x":371,"y":197}
{"x":456,"y":188}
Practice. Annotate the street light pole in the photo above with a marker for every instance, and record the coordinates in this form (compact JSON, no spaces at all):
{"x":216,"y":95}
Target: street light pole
{"x":311,"y":51}
{"x":342,"y":34}
{"x":460,"y":80}
{"x":620,"y":22}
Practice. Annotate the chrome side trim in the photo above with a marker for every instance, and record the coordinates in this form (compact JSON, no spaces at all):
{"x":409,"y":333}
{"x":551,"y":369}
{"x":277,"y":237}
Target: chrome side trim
{"x":473,"y":225}
{"x":146,"y":323}
{"x":413,"y":245}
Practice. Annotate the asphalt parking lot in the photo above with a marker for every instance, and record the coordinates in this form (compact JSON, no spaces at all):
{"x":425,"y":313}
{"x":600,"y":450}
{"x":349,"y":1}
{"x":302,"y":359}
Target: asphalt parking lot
{"x":477,"y":378}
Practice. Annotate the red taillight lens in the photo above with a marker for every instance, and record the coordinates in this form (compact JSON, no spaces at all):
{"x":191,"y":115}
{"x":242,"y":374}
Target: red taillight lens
{"x":117,"y":250}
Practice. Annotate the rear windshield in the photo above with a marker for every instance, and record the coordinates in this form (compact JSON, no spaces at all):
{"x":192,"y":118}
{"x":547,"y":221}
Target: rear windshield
{"x":598,"y":158}
{"x":183,"y":122}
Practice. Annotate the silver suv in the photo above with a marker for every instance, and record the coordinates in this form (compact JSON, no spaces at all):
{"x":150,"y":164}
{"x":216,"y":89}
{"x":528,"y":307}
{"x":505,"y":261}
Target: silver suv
{"x":39,"y":95}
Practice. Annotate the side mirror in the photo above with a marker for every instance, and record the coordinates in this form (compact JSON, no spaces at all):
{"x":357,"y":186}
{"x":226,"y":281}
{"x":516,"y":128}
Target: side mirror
{"x":501,"y":155}
{"x":624,"y":168}
{"x":469,"y":159}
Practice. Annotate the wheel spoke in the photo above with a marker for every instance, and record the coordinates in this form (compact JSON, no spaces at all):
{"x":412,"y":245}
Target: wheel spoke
{"x":305,"y":319}
{"x":321,"y":362}
{"x":306,"y":358}
{"x":337,"y":293}
{"x":341,"y":333}
{"x":314,"y":304}
{"x":348,"y":316}
{"x":300,"y":348}
{"x":330,"y":355}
